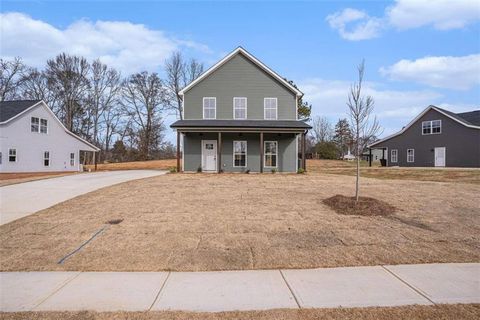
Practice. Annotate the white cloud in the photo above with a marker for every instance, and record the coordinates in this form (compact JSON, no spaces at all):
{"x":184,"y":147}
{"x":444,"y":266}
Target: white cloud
{"x":441,"y":14}
{"x":124,"y":45}
{"x":460,"y":73}
{"x":364,"y":27}
{"x":406,"y":14}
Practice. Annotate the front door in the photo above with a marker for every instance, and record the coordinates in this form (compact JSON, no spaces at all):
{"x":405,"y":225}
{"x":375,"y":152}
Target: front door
{"x":440,"y":157}
{"x":209,"y":155}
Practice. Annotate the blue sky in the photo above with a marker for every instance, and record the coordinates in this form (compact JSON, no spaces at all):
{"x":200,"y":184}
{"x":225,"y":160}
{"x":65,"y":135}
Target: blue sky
{"x":417,"y":52}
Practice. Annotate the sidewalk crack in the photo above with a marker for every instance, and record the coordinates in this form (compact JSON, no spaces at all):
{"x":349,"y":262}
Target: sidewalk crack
{"x":56,"y":290}
{"x":409,"y":285}
{"x":158,"y":293}
{"x":289,"y":288}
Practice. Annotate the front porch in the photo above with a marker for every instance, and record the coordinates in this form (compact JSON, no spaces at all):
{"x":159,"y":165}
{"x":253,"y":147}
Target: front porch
{"x":240,"y":151}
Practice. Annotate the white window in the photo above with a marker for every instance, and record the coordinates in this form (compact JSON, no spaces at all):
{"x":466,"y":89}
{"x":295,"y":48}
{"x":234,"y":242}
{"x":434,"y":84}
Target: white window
{"x":432,"y":127}
{"x":239,"y":153}
{"x":12,"y":155}
{"x":72,"y":159}
{"x":239,"y":108}
{"x":46,"y":158}
{"x":43,"y":126}
{"x":34,"y":124}
{"x":394,"y":155}
{"x":410,"y":155}
{"x":270,"y":108}
{"x":209,"y":108}
{"x":271,"y":151}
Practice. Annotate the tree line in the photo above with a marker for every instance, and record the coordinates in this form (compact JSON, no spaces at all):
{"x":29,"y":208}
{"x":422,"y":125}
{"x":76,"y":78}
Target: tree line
{"x":122,"y":115}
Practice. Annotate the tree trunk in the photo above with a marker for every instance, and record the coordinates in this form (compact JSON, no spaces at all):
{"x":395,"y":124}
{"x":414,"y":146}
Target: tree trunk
{"x":357,"y":184}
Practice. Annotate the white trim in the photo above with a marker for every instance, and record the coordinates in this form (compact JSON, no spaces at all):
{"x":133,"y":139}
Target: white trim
{"x":246,"y":153}
{"x":265,"y":109}
{"x":246,"y":108}
{"x":182,"y":144}
{"x":444,"y":156}
{"x":416,"y":119}
{"x":215,"y":142}
{"x":396,"y":155}
{"x":54,"y":117}
{"x":250,"y":57}
{"x":296,"y":152}
{"x":215,"y":109}
{"x":431,"y":127}
{"x":413,"y":156}
{"x":265,"y":154}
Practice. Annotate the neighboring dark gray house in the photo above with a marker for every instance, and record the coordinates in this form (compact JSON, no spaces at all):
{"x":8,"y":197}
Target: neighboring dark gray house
{"x":435,"y":138}
{"x":240,"y":115}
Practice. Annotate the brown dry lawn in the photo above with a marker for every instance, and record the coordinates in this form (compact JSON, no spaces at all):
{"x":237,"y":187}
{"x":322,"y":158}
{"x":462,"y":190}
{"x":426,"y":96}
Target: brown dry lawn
{"x":191,"y":222}
{"x":438,"y":312}
{"x":136,"y":165}
{"x":466,"y":175}
{"x":14,"y":178}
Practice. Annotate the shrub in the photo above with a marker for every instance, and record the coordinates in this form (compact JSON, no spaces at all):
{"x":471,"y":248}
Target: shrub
{"x":199,"y":169}
{"x":172,"y":169}
{"x":300,"y":171}
{"x":274,"y":170}
{"x":327,"y":150}
{"x":247,"y":171}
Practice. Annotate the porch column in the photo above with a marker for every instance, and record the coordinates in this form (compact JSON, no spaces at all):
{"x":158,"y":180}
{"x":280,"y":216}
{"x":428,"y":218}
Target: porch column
{"x":219,"y":152}
{"x":95,"y":159}
{"x":304,"y":167}
{"x":261,"y":152}
{"x":369,"y":157}
{"x":178,"y":151}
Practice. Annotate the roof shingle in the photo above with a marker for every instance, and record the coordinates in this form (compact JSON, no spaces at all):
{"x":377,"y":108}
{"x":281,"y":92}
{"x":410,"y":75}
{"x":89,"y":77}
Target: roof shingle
{"x":9,"y":109}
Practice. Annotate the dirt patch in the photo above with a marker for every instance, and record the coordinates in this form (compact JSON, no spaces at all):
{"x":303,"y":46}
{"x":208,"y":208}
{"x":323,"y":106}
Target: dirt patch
{"x":165,"y":164}
{"x":437,"y":312}
{"x":365,"y":206}
{"x":115,"y":221}
{"x":14,"y":178}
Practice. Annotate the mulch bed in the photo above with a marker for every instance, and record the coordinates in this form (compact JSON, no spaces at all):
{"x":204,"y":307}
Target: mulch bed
{"x":365,"y":206}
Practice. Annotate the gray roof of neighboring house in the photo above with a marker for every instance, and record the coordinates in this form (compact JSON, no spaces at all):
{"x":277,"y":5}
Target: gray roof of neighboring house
{"x":273,"y":124}
{"x":9,"y":109}
{"x":470,"y":117}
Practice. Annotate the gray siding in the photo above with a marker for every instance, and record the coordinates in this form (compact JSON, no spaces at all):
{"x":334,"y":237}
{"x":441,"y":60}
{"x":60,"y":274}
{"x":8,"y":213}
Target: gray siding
{"x":462,"y":144}
{"x":287,"y":153}
{"x":239,"y":77}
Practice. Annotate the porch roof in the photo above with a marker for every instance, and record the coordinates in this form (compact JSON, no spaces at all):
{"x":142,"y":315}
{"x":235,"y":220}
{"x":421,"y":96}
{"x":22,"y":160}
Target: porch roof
{"x":249,"y":125}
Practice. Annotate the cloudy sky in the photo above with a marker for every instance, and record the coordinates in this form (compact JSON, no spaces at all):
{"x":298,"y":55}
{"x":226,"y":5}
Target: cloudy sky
{"x":417,"y":52}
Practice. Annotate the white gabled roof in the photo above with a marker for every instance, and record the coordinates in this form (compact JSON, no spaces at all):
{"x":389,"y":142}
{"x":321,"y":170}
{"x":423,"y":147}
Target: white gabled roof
{"x":42,"y":103}
{"x":257,"y":62}
{"x":418,"y":117}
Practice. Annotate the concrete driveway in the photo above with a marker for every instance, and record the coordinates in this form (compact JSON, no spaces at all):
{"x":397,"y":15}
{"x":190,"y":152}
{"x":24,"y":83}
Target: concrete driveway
{"x":23,"y":199}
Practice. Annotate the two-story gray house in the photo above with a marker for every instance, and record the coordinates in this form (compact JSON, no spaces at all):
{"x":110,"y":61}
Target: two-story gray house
{"x":240,"y":116}
{"x":435,"y":138}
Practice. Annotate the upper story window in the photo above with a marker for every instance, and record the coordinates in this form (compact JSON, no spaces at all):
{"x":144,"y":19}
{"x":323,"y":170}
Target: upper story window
{"x":209,"y":108}
{"x":34,"y":124}
{"x":43,"y":126}
{"x":432,"y":127}
{"x":240,"y":108}
{"x":270,"y":108}
{"x":38,"y":125}
{"x":12,"y":155}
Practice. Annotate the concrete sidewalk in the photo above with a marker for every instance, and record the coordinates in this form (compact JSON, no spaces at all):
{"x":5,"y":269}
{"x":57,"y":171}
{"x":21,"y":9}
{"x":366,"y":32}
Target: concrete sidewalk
{"x":23,"y":199}
{"x":241,"y":290}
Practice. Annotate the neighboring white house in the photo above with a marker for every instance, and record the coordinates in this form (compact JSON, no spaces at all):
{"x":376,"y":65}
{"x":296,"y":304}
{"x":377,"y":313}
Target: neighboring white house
{"x":32,"y":139}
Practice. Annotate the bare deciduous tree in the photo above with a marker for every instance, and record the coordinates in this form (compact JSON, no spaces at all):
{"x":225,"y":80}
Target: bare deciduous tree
{"x":322,"y":129}
{"x":11,"y":76}
{"x":179,"y":74}
{"x":35,"y":87}
{"x":144,"y":98}
{"x":360,"y":110}
{"x":105,"y":85}
{"x":68,"y":79}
